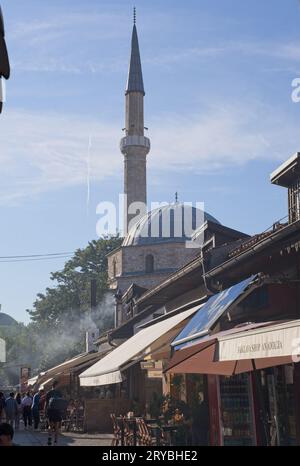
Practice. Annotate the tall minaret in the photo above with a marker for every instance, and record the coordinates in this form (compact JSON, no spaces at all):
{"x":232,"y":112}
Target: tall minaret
{"x":134,"y":146}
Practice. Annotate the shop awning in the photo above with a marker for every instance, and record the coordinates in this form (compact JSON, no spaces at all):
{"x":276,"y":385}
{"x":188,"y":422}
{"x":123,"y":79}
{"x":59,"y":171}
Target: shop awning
{"x":210,"y":312}
{"x":109,"y":369}
{"x":67,"y":366}
{"x":46,"y":384}
{"x":243,"y":349}
{"x":32,"y":381}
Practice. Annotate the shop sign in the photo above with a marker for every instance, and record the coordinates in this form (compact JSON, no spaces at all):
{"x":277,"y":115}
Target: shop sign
{"x":147,"y":365}
{"x":155,"y":374}
{"x":25,"y":374}
{"x":276,"y":341}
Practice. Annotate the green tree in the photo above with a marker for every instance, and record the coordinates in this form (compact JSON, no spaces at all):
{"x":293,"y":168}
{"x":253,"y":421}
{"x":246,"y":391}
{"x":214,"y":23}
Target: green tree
{"x":21,"y":350}
{"x":60,"y":316}
{"x":71,"y":296}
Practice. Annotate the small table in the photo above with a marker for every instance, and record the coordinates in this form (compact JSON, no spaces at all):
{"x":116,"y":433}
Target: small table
{"x":171,"y":429}
{"x":150,"y":420}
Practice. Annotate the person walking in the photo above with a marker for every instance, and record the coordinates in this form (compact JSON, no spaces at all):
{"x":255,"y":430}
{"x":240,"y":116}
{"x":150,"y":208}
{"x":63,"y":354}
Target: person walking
{"x":200,"y":421}
{"x":35,"y":409}
{"x":56,"y":407}
{"x":19,"y":410}
{"x":26,"y":405}
{"x":2,"y":405}
{"x":11,"y":409}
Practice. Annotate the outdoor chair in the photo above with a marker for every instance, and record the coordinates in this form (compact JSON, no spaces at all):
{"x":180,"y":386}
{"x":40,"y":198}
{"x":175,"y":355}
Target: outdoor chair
{"x":66,"y":424}
{"x":128,"y":433}
{"x":144,"y":434}
{"x":43,"y":421}
{"x":77,"y":424}
{"x":116,"y":431}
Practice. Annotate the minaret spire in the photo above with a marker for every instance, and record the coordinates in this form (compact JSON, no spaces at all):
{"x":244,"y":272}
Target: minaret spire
{"x":134,"y":146}
{"x":135,"y":75}
{"x":134,"y":15}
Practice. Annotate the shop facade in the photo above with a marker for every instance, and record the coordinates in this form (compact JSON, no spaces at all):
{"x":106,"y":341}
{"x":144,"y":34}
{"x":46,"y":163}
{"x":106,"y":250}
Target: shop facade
{"x":236,"y":417}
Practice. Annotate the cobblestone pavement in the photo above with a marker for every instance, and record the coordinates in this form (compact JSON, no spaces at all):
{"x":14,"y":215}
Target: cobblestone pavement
{"x":30,"y":437}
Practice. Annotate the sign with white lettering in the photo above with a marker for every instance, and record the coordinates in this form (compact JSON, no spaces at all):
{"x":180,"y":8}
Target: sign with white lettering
{"x":273,"y":341}
{"x":147,"y":365}
{"x":155,"y":374}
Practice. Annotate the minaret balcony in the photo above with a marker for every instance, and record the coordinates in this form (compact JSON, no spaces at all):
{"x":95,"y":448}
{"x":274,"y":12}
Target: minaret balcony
{"x":131,"y":143}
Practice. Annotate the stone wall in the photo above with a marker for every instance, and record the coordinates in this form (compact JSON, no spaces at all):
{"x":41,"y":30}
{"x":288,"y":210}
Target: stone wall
{"x":166,"y":256}
{"x":130,"y":264}
{"x":97,"y":414}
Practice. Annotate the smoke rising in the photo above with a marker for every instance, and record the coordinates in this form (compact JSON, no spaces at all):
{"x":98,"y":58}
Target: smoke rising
{"x":48,"y":348}
{"x":69,"y":339}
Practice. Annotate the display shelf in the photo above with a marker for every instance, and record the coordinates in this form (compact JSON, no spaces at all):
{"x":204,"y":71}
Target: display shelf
{"x":236,"y":410}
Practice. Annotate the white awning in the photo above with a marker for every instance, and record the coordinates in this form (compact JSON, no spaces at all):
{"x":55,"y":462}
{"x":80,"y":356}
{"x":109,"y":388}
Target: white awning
{"x":275,"y":341}
{"x":68,"y":365}
{"x":44,"y":384}
{"x":105,"y":379}
{"x":108,"y":370}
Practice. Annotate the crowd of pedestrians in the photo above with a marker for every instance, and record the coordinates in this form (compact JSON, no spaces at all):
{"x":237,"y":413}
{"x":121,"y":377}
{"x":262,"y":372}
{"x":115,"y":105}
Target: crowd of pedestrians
{"x":27,"y":407}
{"x":33,"y":407}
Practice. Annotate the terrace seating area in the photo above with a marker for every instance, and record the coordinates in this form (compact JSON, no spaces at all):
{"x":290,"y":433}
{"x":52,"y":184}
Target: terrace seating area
{"x":130,"y":430}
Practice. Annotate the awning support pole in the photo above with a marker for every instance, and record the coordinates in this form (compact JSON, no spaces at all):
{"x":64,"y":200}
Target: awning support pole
{"x":261,"y":405}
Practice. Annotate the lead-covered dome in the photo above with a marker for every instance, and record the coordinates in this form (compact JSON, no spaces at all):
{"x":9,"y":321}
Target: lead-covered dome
{"x":6,"y":320}
{"x":170,"y":223}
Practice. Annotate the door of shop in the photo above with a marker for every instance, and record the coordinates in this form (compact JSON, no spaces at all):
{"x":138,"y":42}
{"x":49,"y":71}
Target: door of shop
{"x":280,"y":401}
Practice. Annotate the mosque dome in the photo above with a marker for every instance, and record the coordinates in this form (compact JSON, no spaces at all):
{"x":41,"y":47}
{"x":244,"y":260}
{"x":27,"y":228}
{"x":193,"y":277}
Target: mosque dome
{"x":172,"y":223}
{"x":6,"y":320}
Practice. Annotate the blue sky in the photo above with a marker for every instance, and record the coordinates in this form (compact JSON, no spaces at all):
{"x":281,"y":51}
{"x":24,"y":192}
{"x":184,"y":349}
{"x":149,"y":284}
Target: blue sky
{"x":218,"y":106}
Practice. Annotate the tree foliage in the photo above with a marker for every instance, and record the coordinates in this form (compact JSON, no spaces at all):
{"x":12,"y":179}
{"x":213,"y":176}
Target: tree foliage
{"x":71,"y":295}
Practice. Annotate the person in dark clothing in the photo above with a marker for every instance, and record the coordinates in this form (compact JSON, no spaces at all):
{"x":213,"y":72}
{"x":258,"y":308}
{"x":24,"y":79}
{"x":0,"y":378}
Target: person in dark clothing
{"x":6,"y":435}
{"x":11,"y":409}
{"x":19,"y":410}
{"x":2,"y":404}
{"x":200,"y":422}
{"x":54,"y":416}
{"x":26,"y":405}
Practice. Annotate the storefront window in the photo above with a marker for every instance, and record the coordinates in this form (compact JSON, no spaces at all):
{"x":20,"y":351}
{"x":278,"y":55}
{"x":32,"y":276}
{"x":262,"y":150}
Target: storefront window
{"x":236,"y":410}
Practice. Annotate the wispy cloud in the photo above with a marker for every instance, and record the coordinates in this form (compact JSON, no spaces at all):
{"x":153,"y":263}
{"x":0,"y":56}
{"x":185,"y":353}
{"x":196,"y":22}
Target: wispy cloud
{"x":289,"y":51}
{"x":81,"y":24}
{"x":71,"y":43}
{"x":285,"y":54}
{"x":66,"y":43}
{"x":45,"y":152}
{"x":40,"y":153}
{"x":223,"y":137}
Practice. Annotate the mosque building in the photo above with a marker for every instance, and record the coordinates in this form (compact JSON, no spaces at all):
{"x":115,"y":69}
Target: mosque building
{"x":155,"y":242}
